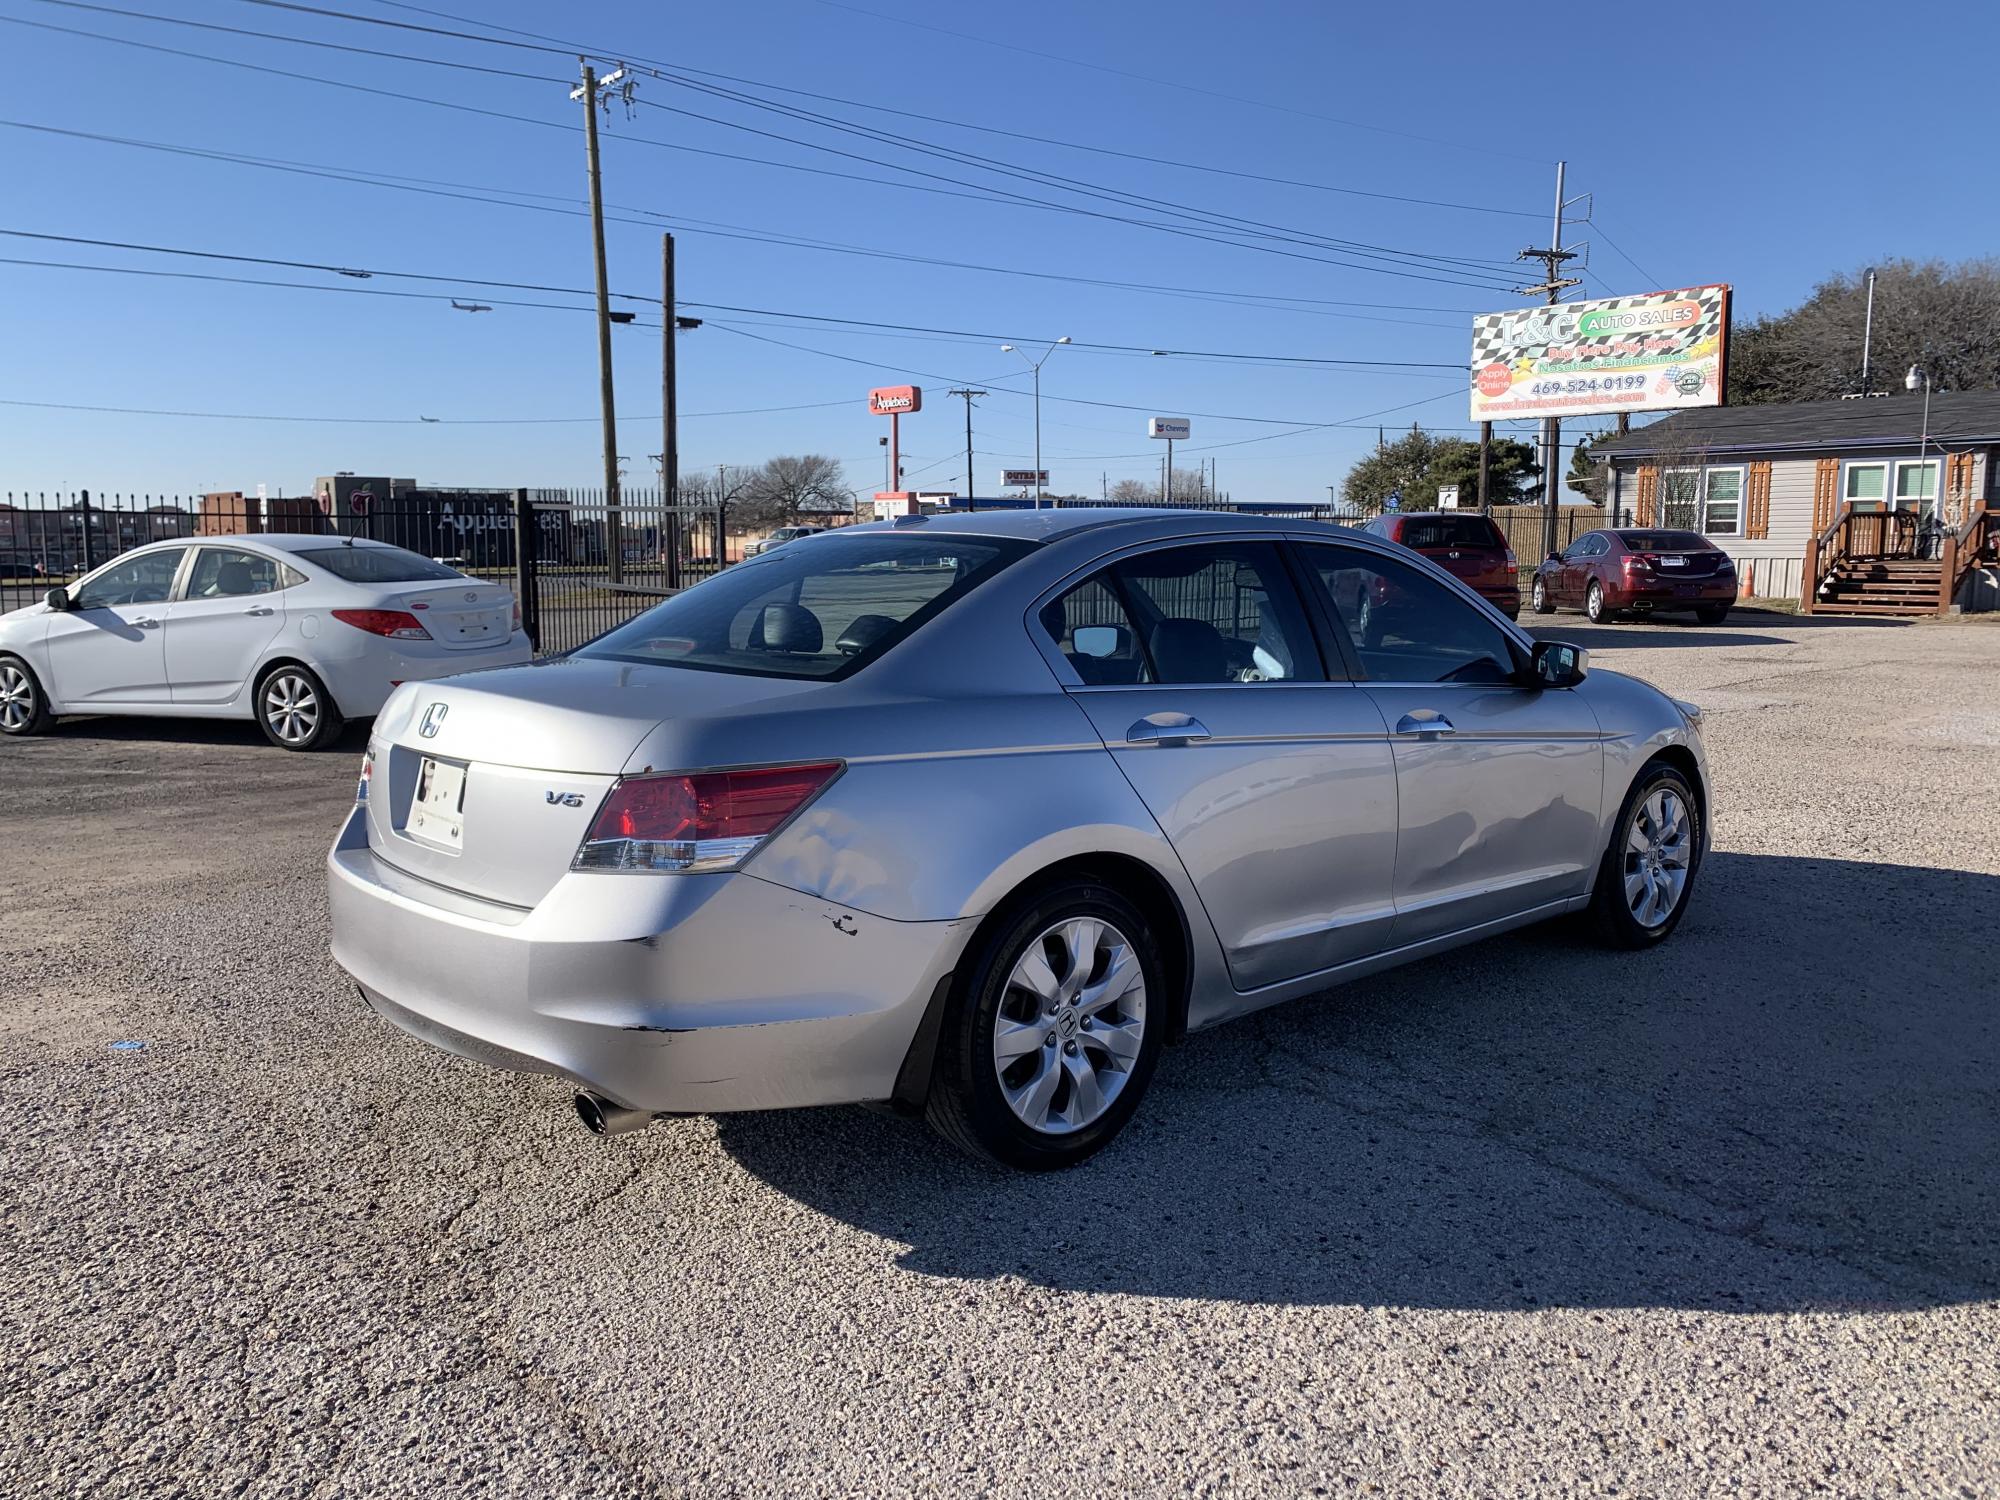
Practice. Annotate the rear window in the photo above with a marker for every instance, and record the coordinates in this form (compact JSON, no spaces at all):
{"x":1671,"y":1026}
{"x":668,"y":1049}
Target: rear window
{"x":1449,"y":531}
{"x":821,"y":610}
{"x":378,"y":564}
{"x":1664,"y":541}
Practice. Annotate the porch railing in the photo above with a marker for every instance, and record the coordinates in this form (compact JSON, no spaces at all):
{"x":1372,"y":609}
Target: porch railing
{"x":1965,"y":549}
{"x":1873,"y":534}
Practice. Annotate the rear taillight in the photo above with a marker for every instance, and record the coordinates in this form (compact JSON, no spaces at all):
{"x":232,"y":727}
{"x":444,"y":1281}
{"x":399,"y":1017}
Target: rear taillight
{"x":367,"y":776}
{"x":711,"y":820}
{"x":397,"y":624}
{"x":517,"y":614}
{"x":1634,"y":564}
{"x":1512,"y":566}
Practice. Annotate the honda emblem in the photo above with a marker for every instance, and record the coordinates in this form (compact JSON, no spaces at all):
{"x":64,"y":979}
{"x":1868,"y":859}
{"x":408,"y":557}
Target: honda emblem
{"x":433,"y":717}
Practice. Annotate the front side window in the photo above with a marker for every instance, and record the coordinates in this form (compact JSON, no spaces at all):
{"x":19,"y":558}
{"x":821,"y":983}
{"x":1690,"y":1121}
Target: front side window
{"x":378,"y":564}
{"x":1722,"y":502}
{"x":820,"y":611}
{"x":225,"y":573}
{"x":145,"y":579}
{"x":1866,"y":486}
{"x":1404,"y":627}
{"x":1214,"y":614}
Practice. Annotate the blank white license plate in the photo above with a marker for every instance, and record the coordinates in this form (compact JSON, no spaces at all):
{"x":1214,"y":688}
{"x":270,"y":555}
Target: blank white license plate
{"x":1673,"y":562}
{"x":437,"y":812}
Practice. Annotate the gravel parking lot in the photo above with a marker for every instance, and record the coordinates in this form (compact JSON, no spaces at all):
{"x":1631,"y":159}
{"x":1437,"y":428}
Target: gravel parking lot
{"x":1526,"y":1219}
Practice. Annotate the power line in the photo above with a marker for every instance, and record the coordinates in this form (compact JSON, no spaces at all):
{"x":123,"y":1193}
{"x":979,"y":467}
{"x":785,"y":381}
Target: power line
{"x":869,"y":323}
{"x":1598,"y":230}
{"x":1210,"y":219}
{"x":475,"y":193}
{"x":237,"y":416}
{"x":1184,"y":87}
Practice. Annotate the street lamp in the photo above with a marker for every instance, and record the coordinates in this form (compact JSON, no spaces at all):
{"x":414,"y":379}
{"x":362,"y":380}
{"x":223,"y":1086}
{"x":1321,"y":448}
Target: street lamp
{"x":1036,"y":366}
{"x":1923,"y":444}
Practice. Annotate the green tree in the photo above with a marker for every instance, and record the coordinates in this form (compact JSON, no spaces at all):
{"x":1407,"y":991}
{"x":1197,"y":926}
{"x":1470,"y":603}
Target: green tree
{"x":1414,"y":465}
{"x":1943,"y":317}
{"x":1586,"y":470}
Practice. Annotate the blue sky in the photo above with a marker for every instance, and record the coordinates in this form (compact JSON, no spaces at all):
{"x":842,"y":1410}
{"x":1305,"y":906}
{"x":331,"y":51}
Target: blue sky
{"x":1763,"y":145}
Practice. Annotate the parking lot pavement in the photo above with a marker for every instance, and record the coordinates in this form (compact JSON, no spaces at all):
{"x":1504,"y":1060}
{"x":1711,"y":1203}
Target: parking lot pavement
{"x":1530,"y":1218}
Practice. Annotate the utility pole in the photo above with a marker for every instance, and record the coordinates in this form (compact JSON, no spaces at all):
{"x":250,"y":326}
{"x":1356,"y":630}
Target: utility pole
{"x":670,"y":456}
{"x":1486,"y":468}
{"x":1867,"y":330}
{"x":721,"y":509}
{"x":613,"y":520}
{"x":1552,"y":287}
{"x":968,"y":395}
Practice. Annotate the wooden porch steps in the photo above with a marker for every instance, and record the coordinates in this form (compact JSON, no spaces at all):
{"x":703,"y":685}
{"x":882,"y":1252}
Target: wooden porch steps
{"x":1904,"y":588}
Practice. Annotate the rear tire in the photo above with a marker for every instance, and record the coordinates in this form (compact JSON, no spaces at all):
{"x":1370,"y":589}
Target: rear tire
{"x":1648,"y":872}
{"x":1052,"y":1030}
{"x":1711,"y":614}
{"x":24,"y":707}
{"x":1538,"y":599}
{"x":294,"y":709}
{"x":1593,"y":604}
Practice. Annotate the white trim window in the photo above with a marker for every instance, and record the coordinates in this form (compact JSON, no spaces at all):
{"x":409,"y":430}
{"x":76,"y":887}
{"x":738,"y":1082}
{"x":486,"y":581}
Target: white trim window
{"x":1707,"y":500}
{"x":1722,"y":502}
{"x":1865,"y":486}
{"x":1917,"y":485}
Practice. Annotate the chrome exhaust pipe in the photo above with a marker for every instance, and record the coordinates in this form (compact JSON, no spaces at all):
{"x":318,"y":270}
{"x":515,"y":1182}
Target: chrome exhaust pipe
{"x":601,"y":1117}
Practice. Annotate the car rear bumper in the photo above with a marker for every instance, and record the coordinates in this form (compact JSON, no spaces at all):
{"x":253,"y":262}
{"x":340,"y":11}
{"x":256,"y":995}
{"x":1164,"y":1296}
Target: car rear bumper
{"x":1689,"y":595}
{"x":682,"y":994}
{"x":362,"y":681}
{"x":1507,"y":600}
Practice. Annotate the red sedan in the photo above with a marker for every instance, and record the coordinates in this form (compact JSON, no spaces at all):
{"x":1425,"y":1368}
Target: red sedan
{"x":1606,"y":572}
{"x":1470,"y":547}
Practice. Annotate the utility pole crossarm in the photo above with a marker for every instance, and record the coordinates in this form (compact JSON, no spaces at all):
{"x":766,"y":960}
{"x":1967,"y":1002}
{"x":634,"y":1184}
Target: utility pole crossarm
{"x":968,"y":394}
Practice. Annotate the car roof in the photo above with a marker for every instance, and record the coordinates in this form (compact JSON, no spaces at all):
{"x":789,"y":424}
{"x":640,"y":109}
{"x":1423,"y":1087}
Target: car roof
{"x":272,"y":541}
{"x":1051,"y":523}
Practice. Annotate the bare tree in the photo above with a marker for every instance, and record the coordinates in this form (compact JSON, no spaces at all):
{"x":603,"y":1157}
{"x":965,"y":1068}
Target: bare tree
{"x":1134,"y":491}
{"x":1945,"y":318}
{"x":787,"y":488}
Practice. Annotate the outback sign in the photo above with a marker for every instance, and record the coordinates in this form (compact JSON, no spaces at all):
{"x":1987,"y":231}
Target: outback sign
{"x":895,"y":400}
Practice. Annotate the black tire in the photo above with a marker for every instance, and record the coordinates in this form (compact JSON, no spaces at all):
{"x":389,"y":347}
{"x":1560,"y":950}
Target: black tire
{"x":1711,"y":614}
{"x":1611,"y":911}
{"x":24,"y":707}
{"x":967,"y":1105}
{"x":1593,"y":603}
{"x":1538,"y":598}
{"x":314,"y":721}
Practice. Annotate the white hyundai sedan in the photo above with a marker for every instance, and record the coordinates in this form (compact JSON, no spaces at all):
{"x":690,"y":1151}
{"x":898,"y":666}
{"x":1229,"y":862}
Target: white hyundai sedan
{"x":298,"y":632}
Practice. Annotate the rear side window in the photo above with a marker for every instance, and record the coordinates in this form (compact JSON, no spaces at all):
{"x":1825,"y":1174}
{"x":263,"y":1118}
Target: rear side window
{"x":824,"y":609}
{"x":225,"y":573}
{"x":1195,"y":615}
{"x":378,"y":564}
{"x":1420,"y":532}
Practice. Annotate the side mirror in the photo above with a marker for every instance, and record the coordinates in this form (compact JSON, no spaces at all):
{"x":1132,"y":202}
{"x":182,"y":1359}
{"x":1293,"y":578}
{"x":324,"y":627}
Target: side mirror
{"x":57,"y":599}
{"x":1557,"y":664}
{"x":1553,"y":557}
{"x":1097,"y":640}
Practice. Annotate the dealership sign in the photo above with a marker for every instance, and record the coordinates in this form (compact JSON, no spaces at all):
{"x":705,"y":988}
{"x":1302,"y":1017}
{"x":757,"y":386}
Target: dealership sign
{"x":896,"y":400}
{"x":1023,"y":477}
{"x":1655,"y":352}
{"x":1170,"y":428}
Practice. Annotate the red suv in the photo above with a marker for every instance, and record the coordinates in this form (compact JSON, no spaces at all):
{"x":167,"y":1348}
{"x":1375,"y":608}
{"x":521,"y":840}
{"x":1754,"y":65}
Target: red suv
{"x":1469,"y":546}
{"x":1603,"y":572}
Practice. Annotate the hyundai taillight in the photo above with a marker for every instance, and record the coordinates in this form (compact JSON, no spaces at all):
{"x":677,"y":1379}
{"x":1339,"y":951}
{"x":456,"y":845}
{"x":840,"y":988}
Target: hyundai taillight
{"x":367,"y":776}
{"x":517,"y":614}
{"x":396,"y":624}
{"x":710,"y":820}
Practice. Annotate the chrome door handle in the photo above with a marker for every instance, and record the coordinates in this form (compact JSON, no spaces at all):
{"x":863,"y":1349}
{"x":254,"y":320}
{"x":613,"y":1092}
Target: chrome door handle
{"x":259,"y":609}
{"x":1167,"y":729}
{"x":1424,"y":726}
{"x":147,"y":624}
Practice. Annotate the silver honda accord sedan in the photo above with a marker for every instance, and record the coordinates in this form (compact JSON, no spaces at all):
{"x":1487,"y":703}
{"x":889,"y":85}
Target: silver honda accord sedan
{"x":974,"y":815}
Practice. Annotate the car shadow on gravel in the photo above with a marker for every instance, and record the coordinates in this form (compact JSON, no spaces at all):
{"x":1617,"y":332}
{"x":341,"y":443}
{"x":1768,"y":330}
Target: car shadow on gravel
{"x":166,"y":731}
{"x":1793,"y":1105}
{"x":1684,"y":630}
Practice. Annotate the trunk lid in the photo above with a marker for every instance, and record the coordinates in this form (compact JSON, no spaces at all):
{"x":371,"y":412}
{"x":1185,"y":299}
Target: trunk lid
{"x":1692,"y":563}
{"x":525,"y":756}
{"x":460,"y":616}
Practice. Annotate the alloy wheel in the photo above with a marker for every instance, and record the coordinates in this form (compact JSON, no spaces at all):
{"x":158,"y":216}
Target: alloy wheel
{"x":17,"y":698}
{"x":1070,"y":1026}
{"x":1659,"y":846}
{"x":1541,"y":599}
{"x":291,"y":708}
{"x":1594,"y":602}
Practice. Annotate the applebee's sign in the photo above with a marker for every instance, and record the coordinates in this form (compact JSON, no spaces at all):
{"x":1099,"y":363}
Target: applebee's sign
{"x":896,"y":400}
